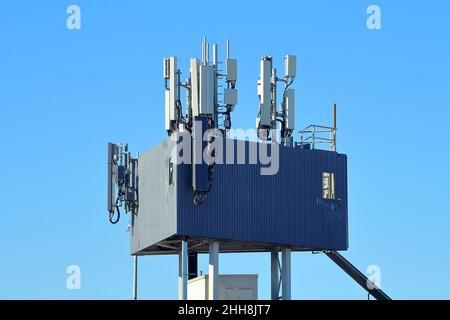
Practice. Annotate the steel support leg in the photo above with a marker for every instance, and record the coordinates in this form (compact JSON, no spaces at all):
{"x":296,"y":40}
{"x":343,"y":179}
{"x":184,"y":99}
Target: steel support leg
{"x":135,"y":275}
{"x":213,"y":271}
{"x":286,"y":274}
{"x":356,"y":275}
{"x":183,"y":271}
{"x":274,"y":275}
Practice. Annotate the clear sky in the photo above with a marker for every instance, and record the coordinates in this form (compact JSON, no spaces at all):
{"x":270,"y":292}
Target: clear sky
{"x":65,"y":93}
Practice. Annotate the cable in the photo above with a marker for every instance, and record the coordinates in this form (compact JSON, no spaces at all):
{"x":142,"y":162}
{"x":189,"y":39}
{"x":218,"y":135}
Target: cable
{"x":292,"y":81}
{"x":111,"y":215}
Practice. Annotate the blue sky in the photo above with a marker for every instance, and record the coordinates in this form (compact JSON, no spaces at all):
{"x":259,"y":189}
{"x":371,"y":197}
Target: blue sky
{"x":65,"y":93}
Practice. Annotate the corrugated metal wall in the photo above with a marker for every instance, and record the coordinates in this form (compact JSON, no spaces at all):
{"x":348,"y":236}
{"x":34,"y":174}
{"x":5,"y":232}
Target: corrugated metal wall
{"x":283,"y":209}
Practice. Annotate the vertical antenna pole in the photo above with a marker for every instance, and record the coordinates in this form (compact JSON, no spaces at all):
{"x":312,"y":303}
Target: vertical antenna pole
{"x":274,"y":106}
{"x":216,"y":72}
{"x":334,"y":126}
{"x":334,"y":115}
{"x":215,"y":53}
{"x":135,"y":275}
{"x":204,"y":50}
{"x":228,"y":48}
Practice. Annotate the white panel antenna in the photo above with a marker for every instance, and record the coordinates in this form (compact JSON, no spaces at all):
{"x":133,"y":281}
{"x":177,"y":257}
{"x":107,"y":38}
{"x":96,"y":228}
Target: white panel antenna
{"x":171,"y":93}
{"x":231,"y":65}
{"x":195,"y":86}
{"x":230,"y":94}
{"x":290,"y":72}
{"x":289,"y":109}
{"x":268,"y":116}
{"x":167,"y":122}
{"x":264,"y":119}
{"x":207,"y":90}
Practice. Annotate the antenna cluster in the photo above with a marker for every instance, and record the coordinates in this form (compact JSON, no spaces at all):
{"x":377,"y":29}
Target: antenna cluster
{"x":202,"y":91}
{"x":122,"y":172}
{"x":268,"y":116}
{"x":203,"y":111}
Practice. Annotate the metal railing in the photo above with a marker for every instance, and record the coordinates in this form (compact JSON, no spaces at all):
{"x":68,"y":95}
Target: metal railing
{"x":316,"y":135}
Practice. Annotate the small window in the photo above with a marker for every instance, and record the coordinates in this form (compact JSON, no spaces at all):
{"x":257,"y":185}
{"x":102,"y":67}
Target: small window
{"x":328,"y":185}
{"x":170,"y":172}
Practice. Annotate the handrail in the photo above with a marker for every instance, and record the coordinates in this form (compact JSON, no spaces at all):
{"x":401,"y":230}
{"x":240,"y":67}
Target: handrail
{"x":310,"y":135}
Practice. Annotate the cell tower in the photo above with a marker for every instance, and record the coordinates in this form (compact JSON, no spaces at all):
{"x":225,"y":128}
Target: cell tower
{"x":203,"y":192}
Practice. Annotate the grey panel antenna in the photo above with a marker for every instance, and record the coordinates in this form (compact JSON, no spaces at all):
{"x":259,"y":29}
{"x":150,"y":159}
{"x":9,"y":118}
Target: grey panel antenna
{"x":113,"y":153}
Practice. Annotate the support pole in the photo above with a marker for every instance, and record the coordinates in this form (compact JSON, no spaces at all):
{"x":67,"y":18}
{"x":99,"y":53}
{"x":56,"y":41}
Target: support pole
{"x":357,"y":275}
{"x":286,"y":274}
{"x":183,"y":271}
{"x":334,"y":116}
{"x":274,"y":106}
{"x":213,"y":271}
{"x":334,"y":127}
{"x":274,"y":274}
{"x":135,"y":274}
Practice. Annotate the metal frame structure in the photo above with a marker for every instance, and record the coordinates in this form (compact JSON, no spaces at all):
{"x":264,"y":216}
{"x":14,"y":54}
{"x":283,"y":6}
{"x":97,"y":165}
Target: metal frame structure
{"x":280,"y":274}
{"x":182,"y":234}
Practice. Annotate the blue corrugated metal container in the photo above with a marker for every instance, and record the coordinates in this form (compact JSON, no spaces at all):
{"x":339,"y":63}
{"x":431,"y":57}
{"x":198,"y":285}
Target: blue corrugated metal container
{"x":245,"y":210}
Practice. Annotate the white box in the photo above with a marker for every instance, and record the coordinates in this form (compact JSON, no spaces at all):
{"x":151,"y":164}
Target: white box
{"x":231,"y":70}
{"x":230,"y":97}
{"x":231,"y":287}
{"x":290,"y":65}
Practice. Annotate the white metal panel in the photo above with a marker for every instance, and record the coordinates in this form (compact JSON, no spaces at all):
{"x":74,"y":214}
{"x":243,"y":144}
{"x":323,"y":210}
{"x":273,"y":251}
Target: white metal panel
{"x":238,"y":287}
{"x":194,"y":86}
{"x":198,"y":288}
{"x":290,"y":109}
{"x":167,"y":109}
{"x":231,"y":287}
